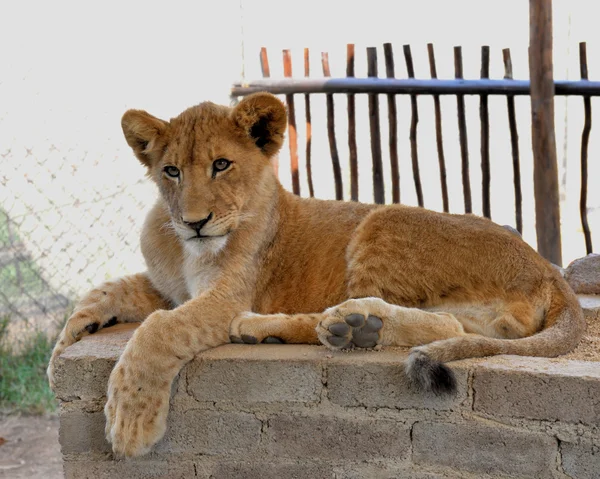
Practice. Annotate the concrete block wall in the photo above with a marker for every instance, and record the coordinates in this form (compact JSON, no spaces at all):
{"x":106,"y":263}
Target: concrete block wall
{"x":281,"y":411}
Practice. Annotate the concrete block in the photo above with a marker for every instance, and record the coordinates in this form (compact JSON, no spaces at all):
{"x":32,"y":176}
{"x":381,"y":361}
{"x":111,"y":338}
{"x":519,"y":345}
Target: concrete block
{"x":483,"y":448}
{"x":538,"y":388}
{"x":210,"y":432}
{"x":337,"y":438}
{"x":388,"y":470}
{"x":128,"y":468}
{"x":274,"y":468}
{"x":82,"y":432}
{"x":377,"y":379}
{"x":84,"y":368}
{"x":257,"y":374}
{"x":271,"y":468}
{"x":581,"y":461}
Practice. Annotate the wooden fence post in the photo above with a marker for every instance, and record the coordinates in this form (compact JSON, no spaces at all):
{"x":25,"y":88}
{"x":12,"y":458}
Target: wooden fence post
{"x":545,"y":165}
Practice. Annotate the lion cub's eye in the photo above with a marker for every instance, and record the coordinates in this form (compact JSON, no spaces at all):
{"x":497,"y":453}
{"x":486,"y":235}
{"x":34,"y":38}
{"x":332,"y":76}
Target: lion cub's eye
{"x":171,"y":171}
{"x":220,"y":165}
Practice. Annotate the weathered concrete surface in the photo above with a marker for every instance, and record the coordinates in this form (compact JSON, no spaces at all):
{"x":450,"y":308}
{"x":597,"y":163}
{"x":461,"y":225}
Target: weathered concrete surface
{"x":581,"y":460}
{"x":538,"y":388}
{"x":274,"y":375}
{"x":130,"y":469}
{"x":377,"y":380}
{"x":271,"y":411}
{"x":336,"y":437}
{"x":488,"y":448}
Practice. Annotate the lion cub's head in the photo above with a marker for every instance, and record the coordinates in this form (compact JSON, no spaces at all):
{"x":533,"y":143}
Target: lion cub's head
{"x":211,"y":163}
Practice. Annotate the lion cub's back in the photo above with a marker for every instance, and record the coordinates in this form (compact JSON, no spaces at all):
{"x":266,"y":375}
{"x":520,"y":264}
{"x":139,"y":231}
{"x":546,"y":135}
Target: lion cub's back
{"x":424,"y":255}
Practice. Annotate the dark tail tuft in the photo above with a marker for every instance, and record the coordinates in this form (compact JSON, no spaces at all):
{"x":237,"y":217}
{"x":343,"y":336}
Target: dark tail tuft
{"x":430,"y":375}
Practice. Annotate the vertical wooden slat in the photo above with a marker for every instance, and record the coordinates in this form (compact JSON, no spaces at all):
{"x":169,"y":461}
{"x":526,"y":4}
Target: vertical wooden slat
{"x":393,"y":124}
{"x":438,"y":131}
{"x":352,"y":127}
{"x":414,"y":120}
{"x":264,"y":63}
{"x":514,"y":142}
{"x":462,"y":131}
{"x":585,"y":137}
{"x":335,"y":159}
{"x":266,"y":73}
{"x":292,"y":134}
{"x":311,"y":190}
{"x":545,"y":165}
{"x":485,"y":136}
{"x":378,"y":187}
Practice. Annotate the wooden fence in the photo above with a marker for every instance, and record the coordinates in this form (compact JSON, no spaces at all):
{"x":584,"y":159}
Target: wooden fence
{"x":390,"y":86}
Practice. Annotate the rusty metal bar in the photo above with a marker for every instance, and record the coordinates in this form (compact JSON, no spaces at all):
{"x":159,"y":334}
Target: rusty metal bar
{"x":392,"y":124}
{"x":292,"y":133}
{"x":438,"y":131}
{"x":484,"y":118}
{"x":585,"y":137}
{"x":414,"y":120}
{"x":311,"y":189}
{"x":378,"y":187}
{"x":462,"y":131}
{"x":335,"y":158}
{"x":409,"y":86}
{"x":514,"y":142}
{"x":545,"y":165}
{"x":352,"y":127}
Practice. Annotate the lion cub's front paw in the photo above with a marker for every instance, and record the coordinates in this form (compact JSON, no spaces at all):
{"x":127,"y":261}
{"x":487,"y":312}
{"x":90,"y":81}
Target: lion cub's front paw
{"x":351,"y":324}
{"x":251,"y":328}
{"x":81,"y":322}
{"x":94,"y":312}
{"x":136,"y":409}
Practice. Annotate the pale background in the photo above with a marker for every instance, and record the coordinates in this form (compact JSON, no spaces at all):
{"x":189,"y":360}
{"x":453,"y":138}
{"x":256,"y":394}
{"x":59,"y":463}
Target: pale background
{"x":75,"y":196}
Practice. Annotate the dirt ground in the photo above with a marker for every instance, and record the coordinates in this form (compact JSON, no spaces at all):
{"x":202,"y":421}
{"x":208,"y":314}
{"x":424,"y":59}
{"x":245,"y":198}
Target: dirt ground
{"x":29,"y":448}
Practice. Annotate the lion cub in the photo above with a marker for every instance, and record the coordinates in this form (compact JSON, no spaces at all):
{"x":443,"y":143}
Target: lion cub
{"x":233,"y":257}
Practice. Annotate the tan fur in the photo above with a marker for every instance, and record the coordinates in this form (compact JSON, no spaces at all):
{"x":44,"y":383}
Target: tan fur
{"x":271,"y":264}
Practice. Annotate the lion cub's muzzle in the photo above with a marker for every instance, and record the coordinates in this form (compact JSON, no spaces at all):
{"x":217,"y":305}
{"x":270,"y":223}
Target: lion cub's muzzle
{"x":197,"y":226}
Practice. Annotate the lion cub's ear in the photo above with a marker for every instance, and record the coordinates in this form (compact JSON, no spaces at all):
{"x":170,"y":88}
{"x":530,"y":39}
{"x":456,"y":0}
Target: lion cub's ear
{"x":145,"y":134}
{"x":263,"y":118}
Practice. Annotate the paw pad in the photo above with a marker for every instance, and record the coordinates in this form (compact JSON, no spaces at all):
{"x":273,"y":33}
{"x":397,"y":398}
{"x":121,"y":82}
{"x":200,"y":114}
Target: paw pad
{"x":92,"y":328}
{"x":365,"y":332}
{"x":247,"y":339}
{"x":273,"y":340}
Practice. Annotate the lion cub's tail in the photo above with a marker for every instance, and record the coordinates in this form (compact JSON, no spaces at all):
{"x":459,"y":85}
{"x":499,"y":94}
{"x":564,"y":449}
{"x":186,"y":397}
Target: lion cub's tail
{"x":564,"y":326}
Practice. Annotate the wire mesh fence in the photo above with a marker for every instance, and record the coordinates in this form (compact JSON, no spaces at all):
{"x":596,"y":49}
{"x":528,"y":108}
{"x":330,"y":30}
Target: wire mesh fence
{"x":69,"y":218}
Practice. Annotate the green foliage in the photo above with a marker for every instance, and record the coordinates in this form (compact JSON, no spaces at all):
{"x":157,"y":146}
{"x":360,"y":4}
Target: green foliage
{"x":4,"y":232}
{"x":23,"y":382}
{"x":21,"y":275}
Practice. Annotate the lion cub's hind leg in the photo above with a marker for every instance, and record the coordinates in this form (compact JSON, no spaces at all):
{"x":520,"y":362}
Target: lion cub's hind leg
{"x":370,"y":322}
{"x":496,"y":319}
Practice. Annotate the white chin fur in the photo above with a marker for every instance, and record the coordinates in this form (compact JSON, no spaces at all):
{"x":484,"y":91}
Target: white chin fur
{"x":206,"y":246}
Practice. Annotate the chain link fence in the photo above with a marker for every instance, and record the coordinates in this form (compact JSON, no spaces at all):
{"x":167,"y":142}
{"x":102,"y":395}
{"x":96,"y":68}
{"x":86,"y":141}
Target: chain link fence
{"x":69,"y":219}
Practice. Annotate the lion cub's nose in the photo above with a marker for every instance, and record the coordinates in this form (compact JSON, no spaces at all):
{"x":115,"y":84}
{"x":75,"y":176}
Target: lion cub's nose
{"x":197,"y":225}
